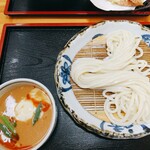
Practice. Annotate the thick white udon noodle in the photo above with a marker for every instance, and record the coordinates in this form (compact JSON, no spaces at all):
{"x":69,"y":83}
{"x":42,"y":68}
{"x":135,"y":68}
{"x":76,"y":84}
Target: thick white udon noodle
{"x":120,"y":74}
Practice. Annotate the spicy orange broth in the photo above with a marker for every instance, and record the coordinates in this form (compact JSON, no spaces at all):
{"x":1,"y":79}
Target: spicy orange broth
{"x":29,"y":135}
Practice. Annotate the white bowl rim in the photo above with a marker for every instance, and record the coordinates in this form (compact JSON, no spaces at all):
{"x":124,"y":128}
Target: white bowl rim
{"x":55,"y":114}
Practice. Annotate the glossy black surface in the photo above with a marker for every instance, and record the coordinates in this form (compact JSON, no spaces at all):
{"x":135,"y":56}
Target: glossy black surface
{"x":31,"y":52}
{"x":57,"y":5}
{"x":51,"y":5}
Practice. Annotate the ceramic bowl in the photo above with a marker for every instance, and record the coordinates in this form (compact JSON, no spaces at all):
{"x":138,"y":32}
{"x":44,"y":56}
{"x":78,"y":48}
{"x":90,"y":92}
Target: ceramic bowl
{"x":24,"y":81}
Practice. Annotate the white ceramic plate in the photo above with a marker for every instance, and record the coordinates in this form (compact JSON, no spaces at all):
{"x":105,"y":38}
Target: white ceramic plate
{"x":108,"y":6}
{"x":64,"y":88}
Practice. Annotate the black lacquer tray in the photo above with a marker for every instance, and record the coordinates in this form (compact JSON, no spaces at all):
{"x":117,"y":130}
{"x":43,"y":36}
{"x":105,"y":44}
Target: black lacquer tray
{"x":31,"y":51}
{"x":64,"y":7}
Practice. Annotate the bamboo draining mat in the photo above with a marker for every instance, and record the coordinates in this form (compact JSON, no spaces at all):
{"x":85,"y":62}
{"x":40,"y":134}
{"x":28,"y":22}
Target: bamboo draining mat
{"x":92,"y":100}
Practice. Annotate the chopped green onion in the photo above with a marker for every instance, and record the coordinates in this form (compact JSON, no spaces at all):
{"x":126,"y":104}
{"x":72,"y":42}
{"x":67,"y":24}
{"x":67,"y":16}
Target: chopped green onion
{"x":8,"y":124}
{"x":5,"y":130}
{"x":37,"y":114}
{"x":14,"y":124}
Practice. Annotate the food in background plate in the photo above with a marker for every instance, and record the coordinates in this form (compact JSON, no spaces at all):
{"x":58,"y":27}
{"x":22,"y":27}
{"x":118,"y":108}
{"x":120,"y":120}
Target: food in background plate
{"x":128,"y":2}
{"x":25,"y":117}
{"x":122,"y":76}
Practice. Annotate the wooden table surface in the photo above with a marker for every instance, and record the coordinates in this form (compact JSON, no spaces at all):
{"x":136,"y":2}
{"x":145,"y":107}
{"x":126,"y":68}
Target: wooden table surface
{"x":60,"y":19}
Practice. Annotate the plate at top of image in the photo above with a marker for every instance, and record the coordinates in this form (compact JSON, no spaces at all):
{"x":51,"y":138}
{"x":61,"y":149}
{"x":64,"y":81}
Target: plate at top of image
{"x":106,"y":5}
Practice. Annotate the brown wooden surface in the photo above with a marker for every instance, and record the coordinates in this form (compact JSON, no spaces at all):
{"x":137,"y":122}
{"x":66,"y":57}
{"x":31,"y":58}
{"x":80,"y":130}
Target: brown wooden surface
{"x":62,"y":19}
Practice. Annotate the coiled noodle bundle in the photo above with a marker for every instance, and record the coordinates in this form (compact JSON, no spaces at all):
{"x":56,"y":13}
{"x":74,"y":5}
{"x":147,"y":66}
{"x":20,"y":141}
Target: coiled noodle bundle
{"x":121,"y":76}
